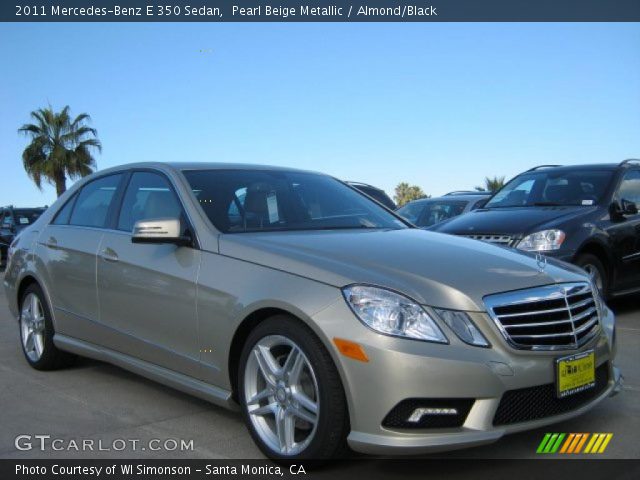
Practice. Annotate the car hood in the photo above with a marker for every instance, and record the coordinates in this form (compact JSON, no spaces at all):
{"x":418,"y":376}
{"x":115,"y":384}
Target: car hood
{"x":435,"y":269}
{"x":511,"y":221}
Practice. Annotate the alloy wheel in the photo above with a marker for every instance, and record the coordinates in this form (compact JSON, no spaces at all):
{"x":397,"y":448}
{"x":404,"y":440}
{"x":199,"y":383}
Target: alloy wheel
{"x":32,"y":325}
{"x":281,"y":395}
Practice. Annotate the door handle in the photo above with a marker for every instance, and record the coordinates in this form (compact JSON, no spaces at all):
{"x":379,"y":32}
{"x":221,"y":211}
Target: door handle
{"x":109,"y":255}
{"x":51,"y":243}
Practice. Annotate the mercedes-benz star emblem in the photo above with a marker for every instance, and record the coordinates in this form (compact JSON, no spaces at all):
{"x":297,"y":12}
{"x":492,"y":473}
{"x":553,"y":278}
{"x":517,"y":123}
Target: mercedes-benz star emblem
{"x":542,"y":262}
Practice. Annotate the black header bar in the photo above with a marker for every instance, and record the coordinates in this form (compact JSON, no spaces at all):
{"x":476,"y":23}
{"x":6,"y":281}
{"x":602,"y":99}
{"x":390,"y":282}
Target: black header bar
{"x":321,"y":11}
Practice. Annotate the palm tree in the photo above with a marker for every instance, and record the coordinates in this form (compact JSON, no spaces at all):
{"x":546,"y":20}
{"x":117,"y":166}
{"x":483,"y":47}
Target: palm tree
{"x":60,"y":147}
{"x":405,"y":193}
{"x":491,"y":184}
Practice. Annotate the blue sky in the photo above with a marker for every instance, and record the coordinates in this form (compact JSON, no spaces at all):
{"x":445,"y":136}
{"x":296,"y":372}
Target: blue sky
{"x":438,"y":105}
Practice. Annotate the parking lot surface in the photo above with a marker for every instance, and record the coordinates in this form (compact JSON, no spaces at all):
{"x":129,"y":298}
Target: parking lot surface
{"x":114,"y":408}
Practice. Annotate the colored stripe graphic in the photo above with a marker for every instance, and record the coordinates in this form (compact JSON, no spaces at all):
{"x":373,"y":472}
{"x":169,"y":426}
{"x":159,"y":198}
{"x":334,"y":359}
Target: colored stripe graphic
{"x":598,"y":443}
{"x":604,"y":445}
{"x":565,"y":447}
{"x":543,"y":443}
{"x":582,"y":442}
{"x":573,"y":443}
{"x":579,"y":437}
{"x":551,"y":443}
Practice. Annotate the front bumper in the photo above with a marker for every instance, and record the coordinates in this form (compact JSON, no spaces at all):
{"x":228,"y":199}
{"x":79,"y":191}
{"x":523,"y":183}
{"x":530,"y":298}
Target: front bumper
{"x":400,"y":369}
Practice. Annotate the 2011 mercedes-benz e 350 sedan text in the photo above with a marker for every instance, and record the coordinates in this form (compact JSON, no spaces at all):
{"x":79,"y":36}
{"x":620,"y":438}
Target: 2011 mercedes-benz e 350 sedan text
{"x":328,"y":320}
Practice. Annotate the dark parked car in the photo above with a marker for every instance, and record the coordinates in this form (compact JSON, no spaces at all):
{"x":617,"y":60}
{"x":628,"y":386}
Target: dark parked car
{"x":12,"y":221}
{"x":376,"y":193}
{"x":428,"y":212}
{"x":585,"y":214}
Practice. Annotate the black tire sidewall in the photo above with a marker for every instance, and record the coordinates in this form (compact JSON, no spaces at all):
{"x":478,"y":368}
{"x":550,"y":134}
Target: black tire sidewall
{"x":332,"y":427}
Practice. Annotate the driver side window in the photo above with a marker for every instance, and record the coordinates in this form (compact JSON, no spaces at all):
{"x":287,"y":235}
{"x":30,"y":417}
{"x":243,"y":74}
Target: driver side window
{"x":630,"y":187}
{"x":149,"y":196}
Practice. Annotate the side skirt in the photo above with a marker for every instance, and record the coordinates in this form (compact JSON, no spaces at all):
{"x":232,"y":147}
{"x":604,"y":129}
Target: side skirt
{"x":190,"y":385}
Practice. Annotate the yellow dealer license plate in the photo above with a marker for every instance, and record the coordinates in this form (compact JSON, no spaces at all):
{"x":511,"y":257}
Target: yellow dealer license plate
{"x":575,"y":373}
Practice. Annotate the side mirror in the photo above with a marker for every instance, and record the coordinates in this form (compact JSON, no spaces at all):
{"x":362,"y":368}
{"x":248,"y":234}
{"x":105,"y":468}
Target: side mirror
{"x":624,"y":207}
{"x":628,"y":207}
{"x":163,"y":230}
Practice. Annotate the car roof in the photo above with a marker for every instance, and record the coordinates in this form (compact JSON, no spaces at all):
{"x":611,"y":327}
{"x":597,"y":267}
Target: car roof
{"x":566,"y":168}
{"x":231,"y":166}
{"x":448,"y":198}
{"x":201,"y":166}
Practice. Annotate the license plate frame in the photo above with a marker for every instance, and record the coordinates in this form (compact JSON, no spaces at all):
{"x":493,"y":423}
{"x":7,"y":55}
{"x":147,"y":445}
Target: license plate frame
{"x":579,"y":373}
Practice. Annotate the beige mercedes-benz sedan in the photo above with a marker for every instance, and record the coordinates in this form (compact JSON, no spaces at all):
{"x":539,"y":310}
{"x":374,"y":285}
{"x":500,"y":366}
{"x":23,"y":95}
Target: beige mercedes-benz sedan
{"x":325,"y":318}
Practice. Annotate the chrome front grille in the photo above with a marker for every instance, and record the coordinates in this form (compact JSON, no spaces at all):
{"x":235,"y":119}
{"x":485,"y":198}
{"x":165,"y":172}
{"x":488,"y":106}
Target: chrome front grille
{"x":497,"y":239}
{"x":556,"y":317}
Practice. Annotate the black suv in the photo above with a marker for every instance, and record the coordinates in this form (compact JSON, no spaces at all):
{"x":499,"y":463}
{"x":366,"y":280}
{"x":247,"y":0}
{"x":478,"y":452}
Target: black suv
{"x":585,"y":214}
{"x":376,"y":193}
{"x":12,"y":220}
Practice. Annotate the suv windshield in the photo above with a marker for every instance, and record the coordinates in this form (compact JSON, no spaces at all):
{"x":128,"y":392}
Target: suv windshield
{"x":25,"y":217}
{"x":430,"y":212}
{"x":265,"y":200}
{"x":549,"y":188}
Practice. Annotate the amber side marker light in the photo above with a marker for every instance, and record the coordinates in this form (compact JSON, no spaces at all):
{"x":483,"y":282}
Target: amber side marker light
{"x":351,"y":349}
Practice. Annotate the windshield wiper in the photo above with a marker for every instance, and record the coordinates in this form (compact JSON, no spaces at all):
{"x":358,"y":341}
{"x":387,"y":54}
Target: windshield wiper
{"x":346,"y":227}
{"x":548,"y":204}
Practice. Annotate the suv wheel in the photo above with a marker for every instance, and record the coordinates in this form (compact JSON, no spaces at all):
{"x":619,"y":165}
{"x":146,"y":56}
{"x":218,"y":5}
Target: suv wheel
{"x":596,"y":270}
{"x":36,"y":332}
{"x":291,"y":394}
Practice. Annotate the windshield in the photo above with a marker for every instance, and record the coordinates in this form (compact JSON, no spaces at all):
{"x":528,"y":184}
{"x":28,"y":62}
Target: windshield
{"x":549,"y":188}
{"x":263,"y":200}
{"x":24,"y":218}
{"x":426,"y":214}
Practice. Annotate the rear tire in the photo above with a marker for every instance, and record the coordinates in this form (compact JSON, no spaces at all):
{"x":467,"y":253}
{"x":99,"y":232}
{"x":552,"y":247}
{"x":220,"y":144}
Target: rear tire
{"x":596,"y":270}
{"x":291,"y":394}
{"x":36,"y":332}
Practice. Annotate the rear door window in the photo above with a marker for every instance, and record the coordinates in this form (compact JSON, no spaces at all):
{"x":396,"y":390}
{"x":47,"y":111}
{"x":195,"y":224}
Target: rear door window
{"x":93,"y":203}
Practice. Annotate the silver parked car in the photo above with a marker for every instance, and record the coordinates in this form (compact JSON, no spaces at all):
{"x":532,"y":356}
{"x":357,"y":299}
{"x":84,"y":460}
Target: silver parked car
{"x":325,"y":318}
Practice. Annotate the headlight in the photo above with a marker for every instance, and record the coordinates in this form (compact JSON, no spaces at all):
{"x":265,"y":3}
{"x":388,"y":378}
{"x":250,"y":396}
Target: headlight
{"x":463,"y":327}
{"x":543,"y":241}
{"x":392,"y":314}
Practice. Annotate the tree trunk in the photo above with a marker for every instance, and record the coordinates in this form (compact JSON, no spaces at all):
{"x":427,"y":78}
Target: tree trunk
{"x":61,"y":183}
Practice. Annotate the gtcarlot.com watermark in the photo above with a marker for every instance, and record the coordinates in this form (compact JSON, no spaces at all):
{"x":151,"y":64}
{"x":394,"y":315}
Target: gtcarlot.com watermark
{"x":46,"y":443}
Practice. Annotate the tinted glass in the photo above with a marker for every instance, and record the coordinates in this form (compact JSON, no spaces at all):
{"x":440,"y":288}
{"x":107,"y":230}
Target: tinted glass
{"x":263,"y":200}
{"x":62,"y":217}
{"x":411,"y":211}
{"x":25,"y":217}
{"x":630,"y":187}
{"x":433,"y":212}
{"x":6,"y":220}
{"x":378,"y":195}
{"x":551,"y":188}
{"x":148,"y":196}
{"x":92,"y":206}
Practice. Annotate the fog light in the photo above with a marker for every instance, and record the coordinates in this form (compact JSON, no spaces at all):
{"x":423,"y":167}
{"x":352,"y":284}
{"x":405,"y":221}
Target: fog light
{"x":418,"y":413}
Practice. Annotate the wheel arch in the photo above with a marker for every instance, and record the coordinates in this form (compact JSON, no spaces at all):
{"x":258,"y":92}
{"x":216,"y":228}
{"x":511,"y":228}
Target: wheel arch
{"x":251,"y":321}
{"x":601,"y":252}
{"x":30,"y":279}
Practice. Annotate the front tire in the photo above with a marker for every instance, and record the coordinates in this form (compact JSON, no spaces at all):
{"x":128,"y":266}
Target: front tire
{"x":290,"y":392}
{"x":596,"y":270}
{"x":36,"y":332}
